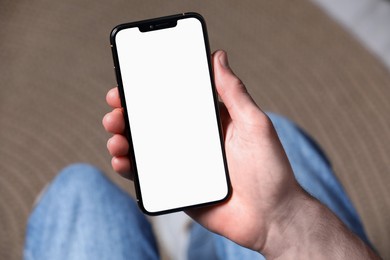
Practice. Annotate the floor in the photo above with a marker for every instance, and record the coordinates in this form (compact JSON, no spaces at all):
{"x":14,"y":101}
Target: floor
{"x":368,"y":20}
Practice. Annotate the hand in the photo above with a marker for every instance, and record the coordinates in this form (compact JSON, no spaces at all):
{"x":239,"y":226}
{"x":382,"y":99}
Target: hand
{"x":261,"y":176}
{"x":267,"y":211}
{"x":260,"y":173}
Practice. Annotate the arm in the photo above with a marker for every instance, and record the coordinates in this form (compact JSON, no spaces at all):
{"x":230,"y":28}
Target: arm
{"x":268,"y":211}
{"x":309,"y":230}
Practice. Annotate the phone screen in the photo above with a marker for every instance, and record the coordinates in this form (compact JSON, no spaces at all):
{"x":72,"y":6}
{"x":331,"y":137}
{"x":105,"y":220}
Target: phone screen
{"x":172,"y":117}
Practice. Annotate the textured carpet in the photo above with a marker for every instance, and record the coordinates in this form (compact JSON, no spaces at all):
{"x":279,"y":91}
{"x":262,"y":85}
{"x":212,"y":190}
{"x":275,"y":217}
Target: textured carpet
{"x":56,"y":66}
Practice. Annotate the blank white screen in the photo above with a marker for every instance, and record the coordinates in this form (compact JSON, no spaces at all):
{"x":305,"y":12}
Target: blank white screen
{"x":172,"y":117}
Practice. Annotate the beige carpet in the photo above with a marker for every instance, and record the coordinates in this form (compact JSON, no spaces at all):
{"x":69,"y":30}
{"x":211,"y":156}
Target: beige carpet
{"x":56,"y":66}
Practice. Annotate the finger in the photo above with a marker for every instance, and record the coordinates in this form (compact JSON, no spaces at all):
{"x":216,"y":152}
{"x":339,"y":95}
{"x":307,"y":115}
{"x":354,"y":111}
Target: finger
{"x":113,"y":99}
{"x":118,"y":145}
{"x":114,"y":122}
{"x":122,"y":165}
{"x":231,"y":89}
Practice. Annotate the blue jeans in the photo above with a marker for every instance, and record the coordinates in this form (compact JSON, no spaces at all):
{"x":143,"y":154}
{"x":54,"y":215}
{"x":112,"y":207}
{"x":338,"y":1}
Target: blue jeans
{"x":83,"y":215}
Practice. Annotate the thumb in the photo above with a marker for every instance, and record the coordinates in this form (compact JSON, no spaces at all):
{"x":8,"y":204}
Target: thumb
{"x":232,"y":91}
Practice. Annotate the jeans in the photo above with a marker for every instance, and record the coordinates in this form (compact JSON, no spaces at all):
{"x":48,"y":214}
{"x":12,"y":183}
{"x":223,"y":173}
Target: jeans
{"x":83,"y":215}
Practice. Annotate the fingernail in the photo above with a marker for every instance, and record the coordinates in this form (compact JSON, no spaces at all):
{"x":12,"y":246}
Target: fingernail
{"x":223,"y":60}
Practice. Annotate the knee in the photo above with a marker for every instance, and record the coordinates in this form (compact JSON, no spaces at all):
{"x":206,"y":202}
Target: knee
{"x":284,"y":127}
{"x":75,"y":186}
{"x":78,"y":179}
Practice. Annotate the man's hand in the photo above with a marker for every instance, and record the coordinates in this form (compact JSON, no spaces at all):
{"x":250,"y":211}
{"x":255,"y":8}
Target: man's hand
{"x":260,"y":173}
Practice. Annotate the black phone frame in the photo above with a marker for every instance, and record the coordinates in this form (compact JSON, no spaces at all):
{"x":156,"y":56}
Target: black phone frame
{"x":157,"y":24}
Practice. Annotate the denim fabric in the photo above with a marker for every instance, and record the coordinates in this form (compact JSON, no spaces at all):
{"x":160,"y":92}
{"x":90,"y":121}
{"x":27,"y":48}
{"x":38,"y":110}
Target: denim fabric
{"x":83,"y":215}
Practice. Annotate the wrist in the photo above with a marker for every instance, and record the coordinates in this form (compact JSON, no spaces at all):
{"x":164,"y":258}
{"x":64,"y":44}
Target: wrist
{"x":288,"y":223}
{"x":306,"y":229}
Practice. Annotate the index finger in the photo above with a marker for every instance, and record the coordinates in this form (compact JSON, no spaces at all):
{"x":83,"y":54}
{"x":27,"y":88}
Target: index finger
{"x":113,"y":99}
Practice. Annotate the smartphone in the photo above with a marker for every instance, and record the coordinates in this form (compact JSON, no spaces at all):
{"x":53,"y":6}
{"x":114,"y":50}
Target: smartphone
{"x":165,"y":81}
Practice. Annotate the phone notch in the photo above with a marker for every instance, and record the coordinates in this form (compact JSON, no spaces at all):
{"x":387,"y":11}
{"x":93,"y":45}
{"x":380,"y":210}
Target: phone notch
{"x":157,"y":26}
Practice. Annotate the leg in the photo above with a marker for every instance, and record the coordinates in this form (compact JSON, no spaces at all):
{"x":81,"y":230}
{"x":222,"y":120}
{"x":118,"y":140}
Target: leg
{"x":204,"y":244}
{"x":83,"y":215}
{"x":313,"y":172}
